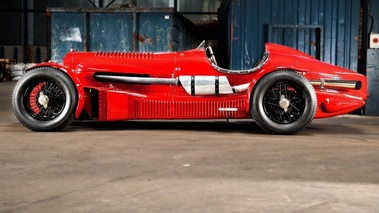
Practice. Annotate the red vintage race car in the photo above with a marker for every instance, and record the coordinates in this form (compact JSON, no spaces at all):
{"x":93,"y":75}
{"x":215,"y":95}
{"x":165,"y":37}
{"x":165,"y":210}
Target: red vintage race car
{"x":283,"y":92}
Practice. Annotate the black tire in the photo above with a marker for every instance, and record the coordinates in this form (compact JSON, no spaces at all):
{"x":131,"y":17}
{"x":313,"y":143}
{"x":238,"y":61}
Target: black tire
{"x":44,"y":99}
{"x":297,"y":97}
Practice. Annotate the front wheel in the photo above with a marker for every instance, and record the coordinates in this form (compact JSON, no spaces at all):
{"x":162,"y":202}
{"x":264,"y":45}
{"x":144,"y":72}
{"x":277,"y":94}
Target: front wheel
{"x":44,"y":99}
{"x":284,"y":102}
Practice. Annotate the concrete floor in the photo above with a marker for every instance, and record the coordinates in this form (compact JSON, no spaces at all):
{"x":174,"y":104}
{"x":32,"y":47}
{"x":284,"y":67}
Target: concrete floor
{"x":200,"y":166}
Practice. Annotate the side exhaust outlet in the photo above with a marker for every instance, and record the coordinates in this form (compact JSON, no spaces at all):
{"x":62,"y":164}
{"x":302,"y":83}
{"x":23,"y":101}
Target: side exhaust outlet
{"x":337,"y":84}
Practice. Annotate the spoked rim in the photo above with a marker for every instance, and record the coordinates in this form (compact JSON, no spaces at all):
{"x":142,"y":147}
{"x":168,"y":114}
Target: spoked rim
{"x":44,"y":100}
{"x":284,"y":102}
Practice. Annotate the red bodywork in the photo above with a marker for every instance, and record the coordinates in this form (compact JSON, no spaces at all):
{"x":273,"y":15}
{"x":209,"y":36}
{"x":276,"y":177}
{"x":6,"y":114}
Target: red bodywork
{"x":155,"y":84}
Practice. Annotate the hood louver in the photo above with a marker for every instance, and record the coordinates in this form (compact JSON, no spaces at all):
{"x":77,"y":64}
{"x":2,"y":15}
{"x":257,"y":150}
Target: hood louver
{"x":136,"y":55}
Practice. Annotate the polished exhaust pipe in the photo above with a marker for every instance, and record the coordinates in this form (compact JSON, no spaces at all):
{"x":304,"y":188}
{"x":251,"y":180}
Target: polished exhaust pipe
{"x":337,"y":84}
{"x":136,"y":80}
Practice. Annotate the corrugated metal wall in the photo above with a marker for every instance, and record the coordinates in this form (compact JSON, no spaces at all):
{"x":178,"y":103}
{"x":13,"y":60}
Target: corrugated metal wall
{"x":124,"y":29}
{"x":372,"y":66}
{"x":326,"y":29}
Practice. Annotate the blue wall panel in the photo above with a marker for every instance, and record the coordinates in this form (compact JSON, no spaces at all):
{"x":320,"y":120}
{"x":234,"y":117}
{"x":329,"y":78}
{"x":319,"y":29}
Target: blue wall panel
{"x":124,"y":29}
{"x":67,"y":31}
{"x":373,"y":22}
{"x":245,"y":24}
{"x":110,"y":31}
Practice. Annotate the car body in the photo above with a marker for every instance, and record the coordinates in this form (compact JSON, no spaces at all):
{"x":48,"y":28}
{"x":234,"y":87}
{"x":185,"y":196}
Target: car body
{"x":283,"y":92}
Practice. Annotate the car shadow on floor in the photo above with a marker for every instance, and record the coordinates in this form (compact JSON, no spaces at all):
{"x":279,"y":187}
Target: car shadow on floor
{"x":247,"y":126}
{"x":244,"y":126}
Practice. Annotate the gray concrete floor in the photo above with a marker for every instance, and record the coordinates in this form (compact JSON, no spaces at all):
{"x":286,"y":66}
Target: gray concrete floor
{"x":199,"y":166}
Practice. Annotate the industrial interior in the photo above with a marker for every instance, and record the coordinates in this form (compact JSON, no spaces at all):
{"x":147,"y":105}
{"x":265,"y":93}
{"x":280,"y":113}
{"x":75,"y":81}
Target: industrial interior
{"x":195,"y":166}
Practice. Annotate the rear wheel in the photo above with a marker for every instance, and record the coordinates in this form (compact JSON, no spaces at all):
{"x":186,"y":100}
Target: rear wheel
{"x":44,"y":99}
{"x":284,"y":102}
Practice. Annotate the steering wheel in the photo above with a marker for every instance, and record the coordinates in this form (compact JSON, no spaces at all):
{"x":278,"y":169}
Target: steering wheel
{"x":211,"y":55}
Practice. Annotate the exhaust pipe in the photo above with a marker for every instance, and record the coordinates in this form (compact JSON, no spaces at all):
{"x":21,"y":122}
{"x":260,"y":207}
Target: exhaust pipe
{"x":194,"y":85}
{"x":136,"y":80}
{"x":337,"y":84}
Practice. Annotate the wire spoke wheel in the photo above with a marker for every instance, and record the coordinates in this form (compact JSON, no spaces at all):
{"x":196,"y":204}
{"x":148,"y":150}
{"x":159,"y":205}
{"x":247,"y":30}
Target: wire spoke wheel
{"x":44,"y":99}
{"x":283,"y":102}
